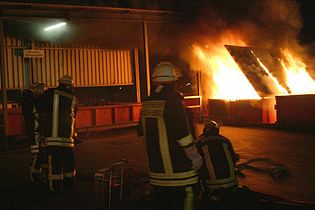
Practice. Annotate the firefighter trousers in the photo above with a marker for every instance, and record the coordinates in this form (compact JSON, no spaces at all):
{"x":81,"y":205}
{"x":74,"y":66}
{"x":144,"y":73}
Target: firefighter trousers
{"x":174,"y":198}
{"x":61,"y":169}
{"x":39,"y":164}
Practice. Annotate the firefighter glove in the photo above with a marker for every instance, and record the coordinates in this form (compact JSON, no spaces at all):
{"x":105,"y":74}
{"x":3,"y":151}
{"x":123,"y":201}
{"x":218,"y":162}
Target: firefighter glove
{"x":194,"y":156}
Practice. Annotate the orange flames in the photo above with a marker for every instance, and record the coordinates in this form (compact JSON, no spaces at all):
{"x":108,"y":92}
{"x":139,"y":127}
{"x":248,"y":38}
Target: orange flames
{"x":223,"y":79}
{"x":297,"y":78}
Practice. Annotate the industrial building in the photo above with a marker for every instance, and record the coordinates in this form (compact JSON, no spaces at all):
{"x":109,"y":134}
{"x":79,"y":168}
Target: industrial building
{"x":110,"y":48}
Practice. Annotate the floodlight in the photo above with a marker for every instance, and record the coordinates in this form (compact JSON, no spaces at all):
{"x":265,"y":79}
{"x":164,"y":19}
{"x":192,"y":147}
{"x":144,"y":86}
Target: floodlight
{"x":58,"y":25}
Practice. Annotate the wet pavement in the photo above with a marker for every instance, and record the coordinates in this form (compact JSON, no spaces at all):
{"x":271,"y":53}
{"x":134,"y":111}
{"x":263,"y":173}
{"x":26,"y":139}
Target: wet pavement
{"x":295,"y":150}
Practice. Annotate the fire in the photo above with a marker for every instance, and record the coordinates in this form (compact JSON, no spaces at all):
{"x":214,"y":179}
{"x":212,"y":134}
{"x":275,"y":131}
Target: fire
{"x":275,"y":83}
{"x":225,"y":78}
{"x":298,"y":80}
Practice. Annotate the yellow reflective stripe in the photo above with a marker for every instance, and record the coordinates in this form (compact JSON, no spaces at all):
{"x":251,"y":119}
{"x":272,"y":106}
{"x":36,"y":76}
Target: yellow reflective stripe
{"x":189,"y":199}
{"x":213,"y":180}
{"x":36,"y":123}
{"x":34,"y":149}
{"x":208,"y":162}
{"x":33,"y":162}
{"x":181,"y":175}
{"x":72,"y":126}
{"x":229,"y":158}
{"x":222,"y":185}
{"x":172,"y":183}
{"x":55,"y":176}
{"x":73,"y":105}
{"x":62,"y":144}
{"x":61,"y":139}
{"x":164,"y":149}
{"x":34,"y":146}
{"x":70,"y":174}
{"x":186,"y":140}
{"x":55,"y":114}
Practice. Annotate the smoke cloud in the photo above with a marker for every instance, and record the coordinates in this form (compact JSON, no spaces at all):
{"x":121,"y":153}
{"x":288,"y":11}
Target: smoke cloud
{"x":262,"y":23}
{"x":265,"y":24}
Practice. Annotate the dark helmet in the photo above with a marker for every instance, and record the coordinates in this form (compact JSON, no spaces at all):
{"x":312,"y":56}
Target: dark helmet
{"x":66,"y":79}
{"x":38,"y":88}
{"x":211,"y":128}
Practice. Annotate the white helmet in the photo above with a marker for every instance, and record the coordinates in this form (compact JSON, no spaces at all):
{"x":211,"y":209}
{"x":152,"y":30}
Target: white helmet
{"x":165,"y":72}
{"x":66,"y":79}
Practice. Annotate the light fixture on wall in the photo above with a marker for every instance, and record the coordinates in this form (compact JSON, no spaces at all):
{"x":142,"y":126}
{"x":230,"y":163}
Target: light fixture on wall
{"x":58,"y":25}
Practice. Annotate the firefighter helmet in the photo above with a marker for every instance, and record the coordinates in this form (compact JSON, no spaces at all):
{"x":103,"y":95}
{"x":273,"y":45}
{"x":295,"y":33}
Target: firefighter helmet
{"x":211,"y":128}
{"x":66,"y":79}
{"x":38,"y":88}
{"x":165,"y":72}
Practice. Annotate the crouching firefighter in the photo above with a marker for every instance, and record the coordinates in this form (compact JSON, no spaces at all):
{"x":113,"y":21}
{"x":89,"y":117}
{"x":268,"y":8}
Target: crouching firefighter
{"x":32,"y":112}
{"x":61,"y":106}
{"x":173,"y":158}
{"x":217,"y":174}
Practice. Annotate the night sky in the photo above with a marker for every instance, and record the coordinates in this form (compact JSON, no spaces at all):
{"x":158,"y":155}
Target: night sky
{"x":307,"y":8}
{"x":307,"y":34}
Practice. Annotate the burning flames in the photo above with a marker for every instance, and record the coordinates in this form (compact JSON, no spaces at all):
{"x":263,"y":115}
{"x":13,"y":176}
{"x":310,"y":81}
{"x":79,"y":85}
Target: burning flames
{"x":225,"y":80}
{"x":228,"y":80}
{"x":298,"y":80}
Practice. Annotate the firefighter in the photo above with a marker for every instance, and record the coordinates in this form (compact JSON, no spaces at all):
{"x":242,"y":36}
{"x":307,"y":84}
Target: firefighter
{"x":61,"y":106}
{"x":173,"y":157}
{"x":32,"y":111}
{"x":219,"y":181}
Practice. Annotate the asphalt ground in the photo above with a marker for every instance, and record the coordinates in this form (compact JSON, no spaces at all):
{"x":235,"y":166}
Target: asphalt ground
{"x":294,"y":150}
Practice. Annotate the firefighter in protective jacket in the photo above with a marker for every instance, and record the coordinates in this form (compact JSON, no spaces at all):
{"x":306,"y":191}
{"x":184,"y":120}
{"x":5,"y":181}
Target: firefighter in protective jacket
{"x":32,"y":111}
{"x":61,"y":106}
{"x":173,"y":158}
{"x":217,"y":172}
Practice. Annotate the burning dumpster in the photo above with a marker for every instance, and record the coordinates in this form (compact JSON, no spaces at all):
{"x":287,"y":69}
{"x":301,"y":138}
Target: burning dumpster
{"x":296,"y":111}
{"x":242,"y":112}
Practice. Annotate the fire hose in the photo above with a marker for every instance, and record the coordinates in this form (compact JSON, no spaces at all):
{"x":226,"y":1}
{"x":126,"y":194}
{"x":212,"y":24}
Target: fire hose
{"x":278,"y":171}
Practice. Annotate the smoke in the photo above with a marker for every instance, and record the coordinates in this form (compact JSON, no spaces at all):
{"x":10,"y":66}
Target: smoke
{"x":274,"y":25}
{"x":262,"y":23}
{"x":265,"y":24}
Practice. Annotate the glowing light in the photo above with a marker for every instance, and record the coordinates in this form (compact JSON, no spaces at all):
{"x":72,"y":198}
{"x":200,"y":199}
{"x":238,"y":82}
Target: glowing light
{"x":297,"y":78}
{"x":277,"y":88}
{"x":58,"y":25}
{"x":225,"y":80}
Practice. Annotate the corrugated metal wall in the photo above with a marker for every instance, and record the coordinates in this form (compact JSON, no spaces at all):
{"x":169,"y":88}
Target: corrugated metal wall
{"x":14,"y":63}
{"x":87,"y":65}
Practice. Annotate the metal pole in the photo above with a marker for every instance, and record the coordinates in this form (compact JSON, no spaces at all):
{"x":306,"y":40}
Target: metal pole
{"x":137,"y":75}
{"x":147,"y":62}
{"x":3,"y":86}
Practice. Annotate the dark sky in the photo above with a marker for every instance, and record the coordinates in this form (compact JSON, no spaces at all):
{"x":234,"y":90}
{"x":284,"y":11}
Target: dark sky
{"x":307,"y":34}
{"x":307,"y":8}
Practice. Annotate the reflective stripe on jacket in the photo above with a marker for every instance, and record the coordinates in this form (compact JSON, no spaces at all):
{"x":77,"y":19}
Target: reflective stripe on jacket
{"x":60,"y":118}
{"x":218,"y":167}
{"x":165,"y":127}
